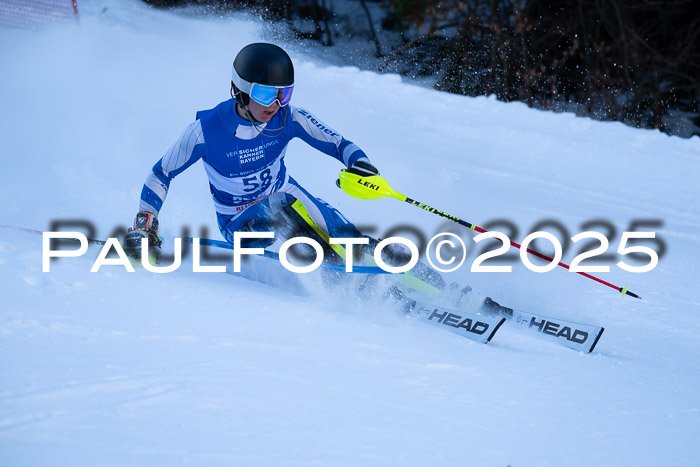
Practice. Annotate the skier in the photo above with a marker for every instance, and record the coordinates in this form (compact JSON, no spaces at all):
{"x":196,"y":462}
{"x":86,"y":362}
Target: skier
{"x":242,"y":144}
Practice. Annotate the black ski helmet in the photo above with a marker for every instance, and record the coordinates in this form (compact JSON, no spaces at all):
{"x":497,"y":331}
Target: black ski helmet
{"x":260,"y":63}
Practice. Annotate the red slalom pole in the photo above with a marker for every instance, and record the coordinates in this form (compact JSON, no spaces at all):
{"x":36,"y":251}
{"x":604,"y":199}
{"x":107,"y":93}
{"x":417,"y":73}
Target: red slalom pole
{"x":459,"y":221}
{"x":376,"y":187}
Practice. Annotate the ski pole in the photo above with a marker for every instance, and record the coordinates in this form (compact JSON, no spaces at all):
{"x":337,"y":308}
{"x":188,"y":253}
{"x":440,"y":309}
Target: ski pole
{"x":376,"y":187}
{"x":91,"y":241}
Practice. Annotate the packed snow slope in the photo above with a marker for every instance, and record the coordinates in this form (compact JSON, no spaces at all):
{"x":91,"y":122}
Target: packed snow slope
{"x":118,"y":368}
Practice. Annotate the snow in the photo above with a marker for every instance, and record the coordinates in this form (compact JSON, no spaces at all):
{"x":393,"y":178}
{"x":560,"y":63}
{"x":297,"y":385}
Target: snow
{"x":117,"y":368}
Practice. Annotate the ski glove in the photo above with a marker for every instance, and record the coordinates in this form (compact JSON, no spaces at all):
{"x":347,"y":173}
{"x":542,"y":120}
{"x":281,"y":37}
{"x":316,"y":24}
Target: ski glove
{"x":362,"y":168}
{"x":145,"y":226}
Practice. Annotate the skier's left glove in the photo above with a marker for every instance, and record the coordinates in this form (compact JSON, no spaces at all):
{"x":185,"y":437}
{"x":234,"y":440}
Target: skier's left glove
{"x":363,"y":168}
{"x":145,"y":226}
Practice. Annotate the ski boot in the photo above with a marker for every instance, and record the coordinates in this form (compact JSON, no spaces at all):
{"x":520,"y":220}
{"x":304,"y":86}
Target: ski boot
{"x":493,"y":308}
{"x":402,"y":302}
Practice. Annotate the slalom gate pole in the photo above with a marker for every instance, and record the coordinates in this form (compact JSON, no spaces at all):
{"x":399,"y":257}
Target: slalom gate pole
{"x":376,"y":187}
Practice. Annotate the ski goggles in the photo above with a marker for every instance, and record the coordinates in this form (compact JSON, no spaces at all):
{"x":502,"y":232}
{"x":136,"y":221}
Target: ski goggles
{"x":267,"y":95}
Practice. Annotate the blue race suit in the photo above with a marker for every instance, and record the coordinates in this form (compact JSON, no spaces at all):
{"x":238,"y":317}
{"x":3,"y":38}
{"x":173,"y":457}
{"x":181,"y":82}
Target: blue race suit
{"x":245,"y":166}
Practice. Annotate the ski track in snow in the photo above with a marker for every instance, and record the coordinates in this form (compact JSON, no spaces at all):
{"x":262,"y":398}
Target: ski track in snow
{"x":113,"y":368}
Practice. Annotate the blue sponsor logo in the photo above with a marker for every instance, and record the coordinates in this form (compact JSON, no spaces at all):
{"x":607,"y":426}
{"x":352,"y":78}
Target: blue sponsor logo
{"x":318,"y":124}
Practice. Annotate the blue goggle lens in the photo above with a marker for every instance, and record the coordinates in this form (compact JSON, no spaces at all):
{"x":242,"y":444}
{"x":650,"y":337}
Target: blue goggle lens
{"x":267,"y":95}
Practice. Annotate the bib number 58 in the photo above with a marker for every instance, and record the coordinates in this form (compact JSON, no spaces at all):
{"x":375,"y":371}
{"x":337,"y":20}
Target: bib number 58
{"x":258,"y":181}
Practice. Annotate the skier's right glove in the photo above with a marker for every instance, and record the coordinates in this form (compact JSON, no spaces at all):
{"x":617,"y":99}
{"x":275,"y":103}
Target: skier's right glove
{"x":362,"y":168}
{"x":145,"y":226}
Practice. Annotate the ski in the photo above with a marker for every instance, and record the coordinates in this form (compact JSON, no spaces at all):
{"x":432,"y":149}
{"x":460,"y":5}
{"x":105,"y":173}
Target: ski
{"x":480,"y":328}
{"x":577,"y":336}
